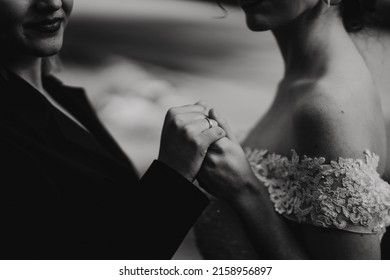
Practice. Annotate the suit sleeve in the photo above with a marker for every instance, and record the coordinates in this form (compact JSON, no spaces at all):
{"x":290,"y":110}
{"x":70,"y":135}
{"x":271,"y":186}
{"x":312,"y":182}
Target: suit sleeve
{"x":168,"y":206}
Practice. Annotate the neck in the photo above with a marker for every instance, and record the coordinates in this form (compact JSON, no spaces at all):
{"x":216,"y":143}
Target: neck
{"x":312,"y":43}
{"x":27,"y":67}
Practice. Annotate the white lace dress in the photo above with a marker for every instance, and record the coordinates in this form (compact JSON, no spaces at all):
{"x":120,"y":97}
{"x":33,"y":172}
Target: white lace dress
{"x":347,"y":194}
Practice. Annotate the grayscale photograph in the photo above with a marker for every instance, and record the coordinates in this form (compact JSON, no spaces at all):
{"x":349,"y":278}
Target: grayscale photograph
{"x":194,"y":130}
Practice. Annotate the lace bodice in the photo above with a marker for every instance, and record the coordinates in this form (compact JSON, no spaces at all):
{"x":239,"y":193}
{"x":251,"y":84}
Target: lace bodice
{"x":347,"y":194}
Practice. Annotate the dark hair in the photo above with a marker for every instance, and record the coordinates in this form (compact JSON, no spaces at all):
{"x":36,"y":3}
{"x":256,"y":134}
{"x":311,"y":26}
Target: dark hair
{"x":358,"y":14}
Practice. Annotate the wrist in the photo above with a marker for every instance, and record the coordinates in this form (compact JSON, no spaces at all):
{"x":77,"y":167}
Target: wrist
{"x":249,"y":192}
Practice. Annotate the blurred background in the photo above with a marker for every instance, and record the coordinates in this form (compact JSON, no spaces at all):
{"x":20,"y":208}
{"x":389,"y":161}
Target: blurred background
{"x":137,"y":58}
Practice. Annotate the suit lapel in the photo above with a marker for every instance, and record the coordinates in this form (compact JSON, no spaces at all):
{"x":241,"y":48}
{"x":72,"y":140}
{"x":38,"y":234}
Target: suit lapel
{"x":28,"y":107}
{"x":77,"y":135}
{"x":76,"y":102}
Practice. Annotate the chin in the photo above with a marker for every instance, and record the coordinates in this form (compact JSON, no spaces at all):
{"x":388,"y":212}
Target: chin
{"x":45,"y":49}
{"x":50,"y":52}
{"x":257,"y":23}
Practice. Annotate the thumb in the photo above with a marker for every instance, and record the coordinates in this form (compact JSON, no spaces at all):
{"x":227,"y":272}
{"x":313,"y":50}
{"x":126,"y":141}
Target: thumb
{"x":223,"y":124}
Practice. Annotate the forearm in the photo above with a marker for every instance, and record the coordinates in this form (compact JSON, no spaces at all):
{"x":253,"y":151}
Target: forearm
{"x":168,"y":204}
{"x":268,"y":230}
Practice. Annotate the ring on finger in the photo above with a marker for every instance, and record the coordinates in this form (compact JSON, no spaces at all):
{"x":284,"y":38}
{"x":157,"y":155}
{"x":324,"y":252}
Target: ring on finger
{"x":210,"y":122}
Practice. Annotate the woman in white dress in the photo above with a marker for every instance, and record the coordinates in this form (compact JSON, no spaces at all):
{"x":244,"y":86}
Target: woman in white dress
{"x":317,"y":155}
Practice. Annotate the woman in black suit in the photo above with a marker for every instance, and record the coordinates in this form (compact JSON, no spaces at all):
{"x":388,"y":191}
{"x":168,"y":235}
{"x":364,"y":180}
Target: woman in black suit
{"x":67,"y":189}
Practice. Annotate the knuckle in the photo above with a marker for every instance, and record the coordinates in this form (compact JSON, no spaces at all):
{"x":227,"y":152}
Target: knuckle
{"x":220,"y":132}
{"x":172,"y":112}
{"x":178,"y":121}
{"x":189,"y":132}
{"x":217,"y":133}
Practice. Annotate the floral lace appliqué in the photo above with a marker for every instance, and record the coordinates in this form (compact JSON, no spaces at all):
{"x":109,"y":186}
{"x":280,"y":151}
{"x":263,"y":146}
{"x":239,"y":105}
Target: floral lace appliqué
{"x":346,"y":194}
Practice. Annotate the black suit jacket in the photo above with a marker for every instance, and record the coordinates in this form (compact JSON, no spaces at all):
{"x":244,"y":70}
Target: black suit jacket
{"x":69,"y":194}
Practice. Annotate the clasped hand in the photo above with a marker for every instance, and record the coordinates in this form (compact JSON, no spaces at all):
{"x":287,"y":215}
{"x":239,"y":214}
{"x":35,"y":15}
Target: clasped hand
{"x":209,"y":152}
{"x":186,"y":136}
{"x":226,"y":172}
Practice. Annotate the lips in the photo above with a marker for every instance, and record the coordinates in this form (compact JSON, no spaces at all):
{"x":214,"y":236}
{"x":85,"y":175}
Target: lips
{"x":46,"y":25}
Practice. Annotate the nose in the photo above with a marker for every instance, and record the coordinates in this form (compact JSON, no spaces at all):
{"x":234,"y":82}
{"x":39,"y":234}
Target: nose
{"x":49,"y":5}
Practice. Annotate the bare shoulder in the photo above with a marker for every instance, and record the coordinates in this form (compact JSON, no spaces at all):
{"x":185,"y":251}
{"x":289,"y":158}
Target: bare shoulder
{"x":332,"y":120}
